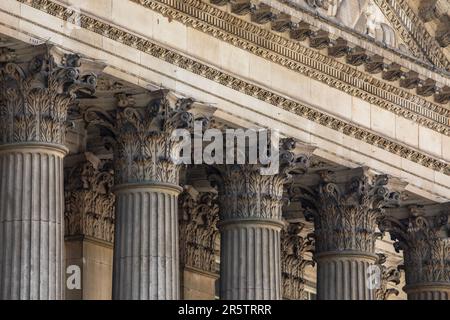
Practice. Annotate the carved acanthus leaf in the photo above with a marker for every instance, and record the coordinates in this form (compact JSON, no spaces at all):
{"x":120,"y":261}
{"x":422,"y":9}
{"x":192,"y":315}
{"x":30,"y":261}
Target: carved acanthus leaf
{"x":244,"y":192}
{"x":425,"y":243}
{"x":35,"y":97}
{"x":198,"y":230}
{"x":293,"y":260}
{"x":389,"y":276}
{"x":345,"y":214}
{"x":89,"y":201}
{"x":143,"y":142}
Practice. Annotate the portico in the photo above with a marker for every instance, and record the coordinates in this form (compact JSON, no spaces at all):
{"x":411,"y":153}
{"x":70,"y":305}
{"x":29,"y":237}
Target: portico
{"x":88,"y":165}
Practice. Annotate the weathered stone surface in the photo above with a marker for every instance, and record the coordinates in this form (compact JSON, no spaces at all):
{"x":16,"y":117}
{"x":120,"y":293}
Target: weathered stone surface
{"x":146,"y":254}
{"x":423,"y":236}
{"x":250,"y":225}
{"x":35,"y":96}
{"x":346,"y":211}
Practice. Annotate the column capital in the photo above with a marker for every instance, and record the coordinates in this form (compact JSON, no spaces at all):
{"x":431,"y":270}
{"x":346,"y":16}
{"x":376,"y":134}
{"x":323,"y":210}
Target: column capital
{"x":247,"y":194}
{"x":142,"y":136}
{"x":388,"y":276}
{"x":89,"y":200}
{"x":198,"y":230}
{"x":294,"y":248}
{"x":423,"y":233}
{"x":36,"y":93}
{"x":346,"y":207}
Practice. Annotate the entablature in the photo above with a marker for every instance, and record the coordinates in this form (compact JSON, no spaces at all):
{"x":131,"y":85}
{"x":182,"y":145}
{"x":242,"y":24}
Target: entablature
{"x":247,"y":104}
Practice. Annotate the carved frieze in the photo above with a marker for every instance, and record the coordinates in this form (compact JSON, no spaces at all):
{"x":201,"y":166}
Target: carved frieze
{"x":324,"y":4}
{"x":345,"y":213}
{"x":89,"y":201}
{"x":425,"y":242}
{"x":293,"y":261}
{"x":280,"y":50}
{"x":35,"y":97}
{"x":282,"y":102}
{"x":198,"y":230}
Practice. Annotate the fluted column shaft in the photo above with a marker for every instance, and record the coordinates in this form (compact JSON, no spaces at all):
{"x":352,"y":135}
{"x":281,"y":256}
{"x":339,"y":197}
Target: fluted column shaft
{"x":35,"y":96}
{"x":250,"y":261}
{"x":31,"y":222}
{"x":343,"y":276}
{"x":250,"y":225}
{"x":429,"y":293}
{"x":146,"y":260}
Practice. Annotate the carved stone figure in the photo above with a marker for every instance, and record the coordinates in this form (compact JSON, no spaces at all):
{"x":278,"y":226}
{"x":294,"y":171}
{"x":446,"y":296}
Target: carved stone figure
{"x":348,"y":12}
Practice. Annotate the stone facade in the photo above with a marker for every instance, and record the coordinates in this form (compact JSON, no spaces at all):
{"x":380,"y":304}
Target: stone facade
{"x":96,"y":204}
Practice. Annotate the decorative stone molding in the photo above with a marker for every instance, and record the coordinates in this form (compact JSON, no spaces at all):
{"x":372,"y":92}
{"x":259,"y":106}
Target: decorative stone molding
{"x":35,"y":96}
{"x":198,"y":230}
{"x":260,"y":93}
{"x":89,"y":201}
{"x":400,"y":15}
{"x":346,"y":213}
{"x":424,"y":239}
{"x":144,"y":150}
{"x":291,"y":54}
{"x":312,"y":64}
{"x":324,"y":4}
{"x":293,"y":261}
{"x":389,"y":276}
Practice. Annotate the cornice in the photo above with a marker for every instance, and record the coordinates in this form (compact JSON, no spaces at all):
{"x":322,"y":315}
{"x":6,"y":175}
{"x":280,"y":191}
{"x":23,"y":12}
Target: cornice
{"x":213,"y":74}
{"x":309,"y":62}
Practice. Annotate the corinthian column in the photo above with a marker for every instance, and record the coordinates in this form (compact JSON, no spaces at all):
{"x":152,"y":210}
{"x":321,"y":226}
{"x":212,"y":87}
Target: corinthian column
{"x":422,"y":232}
{"x":345,"y":209}
{"x":250,"y":225}
{"x":146,"y":258}
{"x":34,"y":98}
